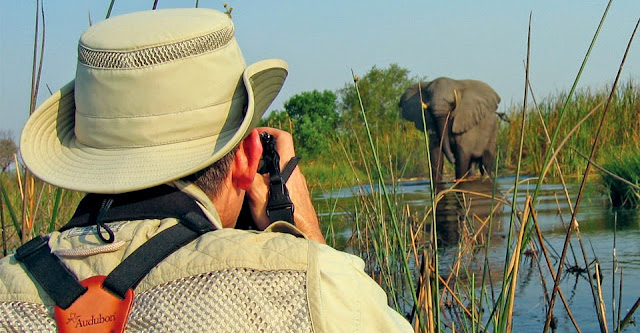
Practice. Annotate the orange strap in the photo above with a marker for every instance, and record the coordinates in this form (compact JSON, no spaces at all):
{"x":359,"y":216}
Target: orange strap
{"x":97,"y":310}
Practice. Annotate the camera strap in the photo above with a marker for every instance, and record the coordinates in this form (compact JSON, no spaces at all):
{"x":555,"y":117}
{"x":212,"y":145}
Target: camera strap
{"x":279,"y":205}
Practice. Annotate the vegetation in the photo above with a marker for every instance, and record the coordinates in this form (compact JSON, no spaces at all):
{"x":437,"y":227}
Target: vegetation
{"x":355,"y":138}
{"x":8,"y":149}
{"x":621,"y":133}
{"x":624,"y":178}
{"x":370,"y":151}
{"x":329,"y":132}
{"x":311,"y":117}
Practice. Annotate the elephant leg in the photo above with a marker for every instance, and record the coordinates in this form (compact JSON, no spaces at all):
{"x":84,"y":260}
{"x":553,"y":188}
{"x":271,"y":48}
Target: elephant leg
{"x":463,"y":166}
{"x":488,"y":159}
{"x":437,"y":162}
{"x":489,"y":151}
{"x":472,"y":167}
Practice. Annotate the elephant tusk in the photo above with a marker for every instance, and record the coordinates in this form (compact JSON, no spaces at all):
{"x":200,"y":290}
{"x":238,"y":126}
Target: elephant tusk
{"x":455,"y":98}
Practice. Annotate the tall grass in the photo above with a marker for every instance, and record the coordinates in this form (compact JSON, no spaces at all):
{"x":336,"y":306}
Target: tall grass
{"x":381,"y":227}
{"x":28,"y":206}
{"x":618,"y":136}
{"x":401,"y":246}
{"x":626,"y":166}
{"x":52,"y":207}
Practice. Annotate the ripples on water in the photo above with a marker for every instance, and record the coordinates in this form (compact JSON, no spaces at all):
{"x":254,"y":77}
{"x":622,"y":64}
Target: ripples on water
{"x":597,"y":225}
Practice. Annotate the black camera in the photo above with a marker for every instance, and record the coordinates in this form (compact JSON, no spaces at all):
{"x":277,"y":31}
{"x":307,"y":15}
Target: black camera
{"x":279,"y":205}
{"x":270,"y":159}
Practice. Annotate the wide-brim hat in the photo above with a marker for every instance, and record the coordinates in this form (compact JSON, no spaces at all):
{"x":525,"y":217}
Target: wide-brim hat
{"x":157,"y":96}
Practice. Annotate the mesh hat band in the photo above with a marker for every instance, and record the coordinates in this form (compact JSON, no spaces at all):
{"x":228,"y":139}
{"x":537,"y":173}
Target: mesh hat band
{"x":157,"y":54}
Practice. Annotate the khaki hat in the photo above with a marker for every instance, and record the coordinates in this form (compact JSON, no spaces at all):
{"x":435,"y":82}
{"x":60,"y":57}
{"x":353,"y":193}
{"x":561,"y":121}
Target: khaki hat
{"x":157,"y":96}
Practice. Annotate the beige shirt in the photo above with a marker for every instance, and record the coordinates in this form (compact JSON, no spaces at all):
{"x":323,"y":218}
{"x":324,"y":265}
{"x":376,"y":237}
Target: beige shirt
{"x":226,"y":280}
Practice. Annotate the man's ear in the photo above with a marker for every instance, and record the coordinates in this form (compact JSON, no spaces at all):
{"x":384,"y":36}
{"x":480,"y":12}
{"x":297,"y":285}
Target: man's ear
{"x":245,"y":165}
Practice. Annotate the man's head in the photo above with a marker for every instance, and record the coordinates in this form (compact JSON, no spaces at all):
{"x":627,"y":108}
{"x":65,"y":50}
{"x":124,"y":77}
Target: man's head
{"x":158,"y":95}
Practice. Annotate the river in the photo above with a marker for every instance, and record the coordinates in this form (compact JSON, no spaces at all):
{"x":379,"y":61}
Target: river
{"x":598,"y":225}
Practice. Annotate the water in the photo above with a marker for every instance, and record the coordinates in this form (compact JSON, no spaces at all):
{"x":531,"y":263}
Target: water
{"x":597,"y":224}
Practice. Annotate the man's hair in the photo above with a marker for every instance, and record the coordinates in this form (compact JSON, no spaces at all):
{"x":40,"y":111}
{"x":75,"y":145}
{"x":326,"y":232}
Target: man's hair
{"x":210,"y":178}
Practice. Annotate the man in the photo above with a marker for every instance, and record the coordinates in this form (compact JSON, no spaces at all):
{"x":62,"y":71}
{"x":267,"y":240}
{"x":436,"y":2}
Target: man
{"x":159,"y":128}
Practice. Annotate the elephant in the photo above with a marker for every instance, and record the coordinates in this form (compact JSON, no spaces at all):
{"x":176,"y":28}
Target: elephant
{"x":461,"y":122}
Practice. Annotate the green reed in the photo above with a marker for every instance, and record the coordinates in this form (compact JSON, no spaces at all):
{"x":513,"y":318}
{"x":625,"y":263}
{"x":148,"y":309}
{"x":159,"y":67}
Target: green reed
{"x":390,"y":206}
{"x":620,"y":134}
{"x":624,"y":177}
{"x":400,"y":246}
{"x":52,"y":207}
{"x":576,"y":120}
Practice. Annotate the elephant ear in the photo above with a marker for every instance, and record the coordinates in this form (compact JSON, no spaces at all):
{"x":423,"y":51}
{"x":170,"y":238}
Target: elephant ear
{"x":473,"y":103}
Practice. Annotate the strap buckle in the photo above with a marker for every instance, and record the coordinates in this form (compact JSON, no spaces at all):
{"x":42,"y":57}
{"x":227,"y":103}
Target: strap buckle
{"x":279,"y":206}
{"x":287,"y":206}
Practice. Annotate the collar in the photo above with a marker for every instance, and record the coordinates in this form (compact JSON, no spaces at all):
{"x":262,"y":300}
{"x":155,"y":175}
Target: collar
{"x":163,"y":201}
{"x":202,"y":200}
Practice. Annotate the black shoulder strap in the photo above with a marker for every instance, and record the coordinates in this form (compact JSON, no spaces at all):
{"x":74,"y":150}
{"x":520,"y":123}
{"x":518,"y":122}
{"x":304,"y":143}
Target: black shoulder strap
{"x":62,"y":285}
{"x":54,"y":277}
{"x":130,"y":272}
{"x":154,"y":203}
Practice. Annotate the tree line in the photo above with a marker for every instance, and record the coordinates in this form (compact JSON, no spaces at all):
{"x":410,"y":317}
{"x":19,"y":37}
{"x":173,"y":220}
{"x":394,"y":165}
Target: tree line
{"x":328,"y":128}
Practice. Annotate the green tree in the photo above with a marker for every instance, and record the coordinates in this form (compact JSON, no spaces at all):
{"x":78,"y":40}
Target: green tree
{"x":278,"y":119}
{"x":315,"y":119}
{"x":311,"y":117}
{"x":380,"y":90}
{"x":398,"y":143}
{"x":8,"y":149}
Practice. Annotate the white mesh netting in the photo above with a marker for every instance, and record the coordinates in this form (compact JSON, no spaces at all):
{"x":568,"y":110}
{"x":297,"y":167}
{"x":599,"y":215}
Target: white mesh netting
{"x":232,"y":300}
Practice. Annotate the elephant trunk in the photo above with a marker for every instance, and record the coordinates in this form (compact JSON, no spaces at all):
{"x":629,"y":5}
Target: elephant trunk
{"x":444,"y":131}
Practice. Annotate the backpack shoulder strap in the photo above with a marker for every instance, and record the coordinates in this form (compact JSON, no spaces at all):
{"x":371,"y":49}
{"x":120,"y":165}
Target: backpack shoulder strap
{"x":63,"y":286}
{"x":52,"y":275}
{"x":135,"y":267}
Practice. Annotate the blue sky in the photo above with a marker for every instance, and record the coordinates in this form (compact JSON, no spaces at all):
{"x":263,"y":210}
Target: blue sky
{"x":324,"y":40}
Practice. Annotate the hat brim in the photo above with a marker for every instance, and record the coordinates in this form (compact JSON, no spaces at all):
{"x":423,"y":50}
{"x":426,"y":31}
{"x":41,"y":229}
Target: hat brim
{"x":50,"y":150}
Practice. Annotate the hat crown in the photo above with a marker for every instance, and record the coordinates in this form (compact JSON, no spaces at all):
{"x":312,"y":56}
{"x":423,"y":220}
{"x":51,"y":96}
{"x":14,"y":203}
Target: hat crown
{"x":124,"y":43}
{"x":151,"y":28}
{"x":155,"y":77}
{"x":157,"y":95}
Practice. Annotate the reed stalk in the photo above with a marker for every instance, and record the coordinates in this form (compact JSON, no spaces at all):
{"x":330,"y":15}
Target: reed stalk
{"x":617,"y":327}
{"x":109,"y":10}
{"x":573,"y":225}
{"x":549,"y":152}
{"x":514,"y":264}
{"x":473,"y":303}
{"x":487,"y":246}
{"x":29,"y":181}
{"x":2,"y":224}
{"x":434,"y":223}
{"x":600,"y":305}
{"x":614,"y":269}
{"x":12,"y":213}
{"x":629,"y":315}
{"x":392,"y":215}
{"x":550,"y":266}
{"x":504,"y":304}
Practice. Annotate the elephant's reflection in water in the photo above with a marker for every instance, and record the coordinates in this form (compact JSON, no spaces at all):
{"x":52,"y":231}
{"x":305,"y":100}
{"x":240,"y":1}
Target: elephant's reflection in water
{"x":462,"y":215}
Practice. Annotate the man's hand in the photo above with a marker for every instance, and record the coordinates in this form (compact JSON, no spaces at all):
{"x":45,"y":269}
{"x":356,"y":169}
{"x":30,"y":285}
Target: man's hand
{"x":304,"y":213}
